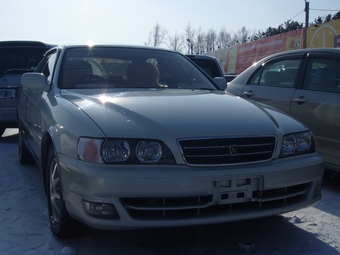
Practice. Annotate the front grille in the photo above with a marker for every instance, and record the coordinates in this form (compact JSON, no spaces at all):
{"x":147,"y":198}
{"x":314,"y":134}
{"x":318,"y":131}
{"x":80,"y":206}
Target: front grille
{"x":177,"y":208}
{"x":224,"y":151}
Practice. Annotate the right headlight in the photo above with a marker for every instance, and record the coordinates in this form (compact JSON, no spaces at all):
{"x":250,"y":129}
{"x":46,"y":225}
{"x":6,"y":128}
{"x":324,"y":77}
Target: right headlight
{"x":298,"y":143}
{"x":124,"y":151}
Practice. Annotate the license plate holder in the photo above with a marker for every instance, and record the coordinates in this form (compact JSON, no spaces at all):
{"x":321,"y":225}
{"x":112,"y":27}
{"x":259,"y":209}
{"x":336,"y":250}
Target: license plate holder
{"x":230,"y":191}
{"x":7,"y":94}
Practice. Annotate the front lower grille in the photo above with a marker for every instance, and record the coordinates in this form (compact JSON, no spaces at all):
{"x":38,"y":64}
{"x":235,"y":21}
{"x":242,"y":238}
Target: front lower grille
{"x":226,"y":150}
{"x":177,"y":208}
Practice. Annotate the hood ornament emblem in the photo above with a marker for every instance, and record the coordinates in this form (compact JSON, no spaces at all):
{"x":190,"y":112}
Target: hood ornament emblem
{"x":233,"y":150}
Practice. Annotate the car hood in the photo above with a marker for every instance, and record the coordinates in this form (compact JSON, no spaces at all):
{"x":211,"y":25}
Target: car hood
{"x":178,"y":113}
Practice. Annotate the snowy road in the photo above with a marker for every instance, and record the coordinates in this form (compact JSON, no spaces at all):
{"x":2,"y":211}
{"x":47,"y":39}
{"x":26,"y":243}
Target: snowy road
{"x":24,"y":227}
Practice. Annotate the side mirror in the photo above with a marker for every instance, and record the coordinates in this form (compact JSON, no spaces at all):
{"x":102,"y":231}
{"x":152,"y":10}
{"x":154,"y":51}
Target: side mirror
{"x":34,"y":81}
{"x":221,"y":82}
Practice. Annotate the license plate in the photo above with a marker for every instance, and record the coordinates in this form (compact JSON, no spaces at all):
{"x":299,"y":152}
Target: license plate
{"x":7,"y":93}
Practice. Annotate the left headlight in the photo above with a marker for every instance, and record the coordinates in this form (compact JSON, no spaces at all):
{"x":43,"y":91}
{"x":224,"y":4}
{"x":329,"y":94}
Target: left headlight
{"x":298,"y":143}
{"x":124,"y":151}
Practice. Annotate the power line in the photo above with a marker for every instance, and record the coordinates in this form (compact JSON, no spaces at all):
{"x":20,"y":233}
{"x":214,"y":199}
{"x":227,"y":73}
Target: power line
{"x":324,"y":10}
{"x":297,"y":14}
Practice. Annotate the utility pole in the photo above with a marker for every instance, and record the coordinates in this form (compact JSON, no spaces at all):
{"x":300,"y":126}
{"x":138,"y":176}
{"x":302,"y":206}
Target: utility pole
{"x":306,"y":24}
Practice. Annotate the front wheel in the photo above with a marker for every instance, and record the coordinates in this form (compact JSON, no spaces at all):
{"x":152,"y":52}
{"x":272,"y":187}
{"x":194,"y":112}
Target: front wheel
{"x":62,"y":225}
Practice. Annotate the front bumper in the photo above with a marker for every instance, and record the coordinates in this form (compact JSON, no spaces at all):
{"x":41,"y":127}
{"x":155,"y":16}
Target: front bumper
{"x":149,"y":196}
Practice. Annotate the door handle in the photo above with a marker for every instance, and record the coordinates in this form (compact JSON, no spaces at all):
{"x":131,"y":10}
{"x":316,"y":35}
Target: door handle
{"x":249,"y":93}
{"x":300,"y":100}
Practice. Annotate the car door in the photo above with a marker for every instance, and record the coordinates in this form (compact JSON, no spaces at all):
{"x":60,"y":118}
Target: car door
{"x":35,"y":105}
{"x":275,"y":82}
{"x":317,"y":103}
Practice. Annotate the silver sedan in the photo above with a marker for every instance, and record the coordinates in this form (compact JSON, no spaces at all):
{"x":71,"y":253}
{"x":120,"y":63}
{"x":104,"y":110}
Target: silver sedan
{"x":305,"y":84}
{"x":134,"y":137}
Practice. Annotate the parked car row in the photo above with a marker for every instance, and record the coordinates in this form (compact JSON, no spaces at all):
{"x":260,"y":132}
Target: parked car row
{"x":137,"y":137}
{"x":305,"y":84}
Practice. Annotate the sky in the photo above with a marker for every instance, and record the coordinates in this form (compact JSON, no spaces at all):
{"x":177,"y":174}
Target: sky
{"x":130,"y":21}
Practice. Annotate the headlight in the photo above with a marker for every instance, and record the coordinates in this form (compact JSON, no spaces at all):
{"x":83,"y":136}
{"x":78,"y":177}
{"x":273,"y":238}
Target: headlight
{"x":298,"y":143}
{"x":124,"y":151}
{"x":148,"y":151}
{"x":115,"y":151}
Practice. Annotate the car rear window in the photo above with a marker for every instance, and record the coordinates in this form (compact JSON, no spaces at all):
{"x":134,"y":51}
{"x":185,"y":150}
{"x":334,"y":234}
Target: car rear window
{"x":19,"y":60}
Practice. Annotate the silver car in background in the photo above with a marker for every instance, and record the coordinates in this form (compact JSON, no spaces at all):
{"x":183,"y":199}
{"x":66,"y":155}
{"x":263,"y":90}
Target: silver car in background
{"x":304,"y":83}
{"x":134,"y":137}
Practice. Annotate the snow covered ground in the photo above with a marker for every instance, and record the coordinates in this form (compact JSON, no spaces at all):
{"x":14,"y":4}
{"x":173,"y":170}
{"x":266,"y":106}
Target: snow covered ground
{"x":24,"y":226}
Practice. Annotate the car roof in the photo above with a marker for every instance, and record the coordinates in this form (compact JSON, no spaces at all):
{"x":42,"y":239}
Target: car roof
{"x":191,"y":56}
{"x":24,"y":44}
{"x":301,"y":51}
{"x":67,"y":46}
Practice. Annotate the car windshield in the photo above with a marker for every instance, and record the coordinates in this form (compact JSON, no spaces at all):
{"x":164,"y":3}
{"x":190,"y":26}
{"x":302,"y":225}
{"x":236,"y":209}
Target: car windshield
{"x":106,"y":67}
{"x":19,"y":60}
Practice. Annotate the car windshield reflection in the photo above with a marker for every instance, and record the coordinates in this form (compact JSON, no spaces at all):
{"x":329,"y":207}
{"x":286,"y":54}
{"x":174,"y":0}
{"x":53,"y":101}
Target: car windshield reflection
{"x":129,"y":68}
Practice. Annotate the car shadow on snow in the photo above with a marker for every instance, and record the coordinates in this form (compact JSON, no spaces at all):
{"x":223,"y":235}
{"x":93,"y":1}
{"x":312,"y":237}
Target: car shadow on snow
{"x":272,"y":235}
{"x":330,"y":202}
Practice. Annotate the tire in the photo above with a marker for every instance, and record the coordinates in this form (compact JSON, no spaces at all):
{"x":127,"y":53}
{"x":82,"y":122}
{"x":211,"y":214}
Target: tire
{"x":25,"y":157}
{"x":62,"y":225}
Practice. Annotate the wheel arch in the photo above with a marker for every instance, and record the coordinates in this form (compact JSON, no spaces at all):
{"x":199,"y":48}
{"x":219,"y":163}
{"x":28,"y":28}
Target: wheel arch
{"x":45,"y":145}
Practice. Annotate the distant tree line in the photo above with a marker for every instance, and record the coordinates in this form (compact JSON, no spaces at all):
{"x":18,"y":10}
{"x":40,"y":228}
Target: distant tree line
{"x":196,"y":41}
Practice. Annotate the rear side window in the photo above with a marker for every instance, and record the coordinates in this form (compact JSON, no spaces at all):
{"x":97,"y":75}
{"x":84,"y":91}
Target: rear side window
{"x":323,"y":75}
{"x":209,"y":66}
{"x":278,"y":74}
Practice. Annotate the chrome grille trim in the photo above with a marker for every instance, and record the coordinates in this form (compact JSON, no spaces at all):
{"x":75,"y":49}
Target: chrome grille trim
{"x":227,"y":150}
{"x":177,"y":208}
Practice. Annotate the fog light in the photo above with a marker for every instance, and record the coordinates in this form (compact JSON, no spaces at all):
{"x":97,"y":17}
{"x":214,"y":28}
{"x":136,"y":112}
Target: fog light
{"x":101,"y":210}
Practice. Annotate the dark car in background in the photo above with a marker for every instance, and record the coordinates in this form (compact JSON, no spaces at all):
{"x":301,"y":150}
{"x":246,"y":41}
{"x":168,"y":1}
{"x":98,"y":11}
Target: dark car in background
{"x":16,"y":58}
{"x":304,"y":83}
{"x":211,"y":66}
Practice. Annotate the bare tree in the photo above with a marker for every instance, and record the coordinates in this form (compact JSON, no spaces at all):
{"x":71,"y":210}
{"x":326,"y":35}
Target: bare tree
{"x":223,"y":38}
{"x":175,"y":42}
{"x":243,"y":35}
{"x":234,"y":40}
{"x":200,"y":42}
{"x":157,"y":35}
{"x":211,"y":40}
{"x":189,"y":37}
